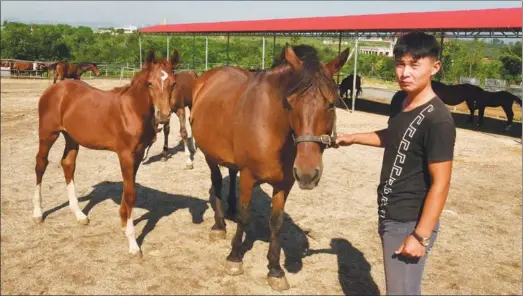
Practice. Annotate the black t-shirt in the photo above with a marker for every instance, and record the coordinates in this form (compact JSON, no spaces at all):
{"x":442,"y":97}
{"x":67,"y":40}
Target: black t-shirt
{"x":426,"y":133}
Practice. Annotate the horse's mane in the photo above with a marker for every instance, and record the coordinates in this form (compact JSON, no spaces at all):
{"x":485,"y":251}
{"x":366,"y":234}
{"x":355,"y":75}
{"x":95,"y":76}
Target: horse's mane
{"x":137,"y":79}
{"x":310,"y":75}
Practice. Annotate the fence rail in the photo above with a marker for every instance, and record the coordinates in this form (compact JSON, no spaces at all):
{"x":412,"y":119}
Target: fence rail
{"x":127,"y":71}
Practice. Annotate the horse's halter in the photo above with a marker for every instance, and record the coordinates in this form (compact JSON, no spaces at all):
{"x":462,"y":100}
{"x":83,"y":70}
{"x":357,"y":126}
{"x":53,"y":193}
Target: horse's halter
{"x":327,"y":140}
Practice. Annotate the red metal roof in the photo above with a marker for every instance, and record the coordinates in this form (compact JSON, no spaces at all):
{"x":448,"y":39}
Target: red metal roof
{"x":499,"y":19}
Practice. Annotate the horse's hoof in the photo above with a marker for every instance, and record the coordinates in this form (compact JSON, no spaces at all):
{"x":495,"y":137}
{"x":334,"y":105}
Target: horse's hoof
{"x":189,"y":166}
{"x":278,"y":284}
{"x":164,"y":158}
{"x":38,"y":219}
{"x":83,"y":221}
{"x":233,"y":268}
{"x":136,"y":254}
{"x":217,"y":235}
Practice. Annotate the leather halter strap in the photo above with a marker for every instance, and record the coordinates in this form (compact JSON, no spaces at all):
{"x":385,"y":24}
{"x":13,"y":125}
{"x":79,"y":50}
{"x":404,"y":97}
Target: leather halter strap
{"x":325,"y":139}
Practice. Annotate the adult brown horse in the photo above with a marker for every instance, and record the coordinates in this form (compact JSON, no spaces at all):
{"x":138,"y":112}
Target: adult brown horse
{"x":272,"y":126}
{"x":121,"y":121}
{"x":74,"y":71}
{"x":181,"y":101}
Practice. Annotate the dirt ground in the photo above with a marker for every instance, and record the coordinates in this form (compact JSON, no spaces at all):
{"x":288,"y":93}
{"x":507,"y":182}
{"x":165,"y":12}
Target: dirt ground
{"x":330,"y":240}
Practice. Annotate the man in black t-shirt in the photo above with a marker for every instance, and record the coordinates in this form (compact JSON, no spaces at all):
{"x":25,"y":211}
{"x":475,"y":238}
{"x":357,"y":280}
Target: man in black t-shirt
{"x":417,"y":164}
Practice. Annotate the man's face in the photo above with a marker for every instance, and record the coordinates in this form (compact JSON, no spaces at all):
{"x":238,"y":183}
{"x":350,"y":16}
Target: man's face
{"x":413,"y":75}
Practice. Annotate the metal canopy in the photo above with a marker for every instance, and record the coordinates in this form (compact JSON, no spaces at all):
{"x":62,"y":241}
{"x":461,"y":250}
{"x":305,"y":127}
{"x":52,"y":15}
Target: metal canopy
{"x":484,"y":23}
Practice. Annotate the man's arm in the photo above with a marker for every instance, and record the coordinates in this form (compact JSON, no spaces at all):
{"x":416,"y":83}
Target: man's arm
{"x":374,"y":139}
{"x":440,"y":173}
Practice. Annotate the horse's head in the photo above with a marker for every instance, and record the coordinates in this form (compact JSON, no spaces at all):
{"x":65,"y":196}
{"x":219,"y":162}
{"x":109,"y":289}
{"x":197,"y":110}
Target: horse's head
{"x":160,"y":81}
{"x":95,"y":70}
{"x":310,"y":97}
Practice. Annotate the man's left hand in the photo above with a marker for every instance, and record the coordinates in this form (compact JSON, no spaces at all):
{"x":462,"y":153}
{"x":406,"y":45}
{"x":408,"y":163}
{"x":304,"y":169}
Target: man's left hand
{"x":411,"y":248}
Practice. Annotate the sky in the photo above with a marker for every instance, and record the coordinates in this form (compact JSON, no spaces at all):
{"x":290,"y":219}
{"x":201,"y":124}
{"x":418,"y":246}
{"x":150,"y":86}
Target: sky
{"x":140,"y":13}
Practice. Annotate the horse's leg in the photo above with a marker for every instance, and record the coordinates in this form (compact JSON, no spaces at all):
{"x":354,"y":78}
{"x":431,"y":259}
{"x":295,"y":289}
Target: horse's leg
{"x":218,"y":230}
{"x":55,"y":76}
{"x":46,"y":142}
{"x":231,"y":198}
{"x":233,"y":264}
{"x":69,"y":165}
{"x":166,"y":130}
{"x":129,"y":164}
{"x":276,"y":275}
{"x":481,"y":112}
{"x":507,"y":107}
{"x":470,"y":105}
{"x":183,"y":133}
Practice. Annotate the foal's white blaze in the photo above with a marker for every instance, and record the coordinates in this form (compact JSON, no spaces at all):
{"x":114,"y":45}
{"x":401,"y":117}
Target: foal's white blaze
{"x":37,"y":202}
{"x":129,"y":232}
{"x":73,"y":202}
{"x":164,"y":76}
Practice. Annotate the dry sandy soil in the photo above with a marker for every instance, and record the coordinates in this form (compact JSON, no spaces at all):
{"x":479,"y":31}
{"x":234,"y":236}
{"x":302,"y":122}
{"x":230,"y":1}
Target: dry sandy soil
{"x":330,"y":239}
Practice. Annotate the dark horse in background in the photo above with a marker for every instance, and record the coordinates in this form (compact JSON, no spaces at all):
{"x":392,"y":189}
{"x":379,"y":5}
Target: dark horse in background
{"x":346,"y":86}
{"x":73,"y":71}
{"x":476,"y":98}
{"x":181,"y":99}
{"x":271,"y":126}
{"x":119,"y":120}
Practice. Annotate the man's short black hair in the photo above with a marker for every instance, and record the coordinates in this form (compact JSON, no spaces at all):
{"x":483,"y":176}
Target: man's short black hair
{"x":418,"y":45}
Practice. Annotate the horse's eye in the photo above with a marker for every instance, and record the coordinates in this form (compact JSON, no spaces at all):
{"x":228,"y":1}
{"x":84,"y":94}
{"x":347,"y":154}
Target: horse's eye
{"x":331,"y":106}
{"x":149,"y":84}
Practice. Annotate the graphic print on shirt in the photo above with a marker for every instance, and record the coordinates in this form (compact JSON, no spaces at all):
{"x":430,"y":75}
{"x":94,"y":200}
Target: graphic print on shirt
{"x":399,"y":160}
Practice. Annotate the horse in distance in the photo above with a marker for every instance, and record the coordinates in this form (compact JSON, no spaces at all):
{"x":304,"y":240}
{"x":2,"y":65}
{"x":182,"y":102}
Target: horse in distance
{"x":120,"y":120}
{"x":503,"y":99}
{"x":70,"y":70}
{"x":346,"y":86}
{"x":271,"y":126}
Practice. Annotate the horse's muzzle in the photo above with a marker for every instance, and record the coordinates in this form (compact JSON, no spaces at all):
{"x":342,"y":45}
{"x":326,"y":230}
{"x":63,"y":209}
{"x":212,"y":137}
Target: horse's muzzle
{"x":307,"y":180}
{"x":163,"y":119}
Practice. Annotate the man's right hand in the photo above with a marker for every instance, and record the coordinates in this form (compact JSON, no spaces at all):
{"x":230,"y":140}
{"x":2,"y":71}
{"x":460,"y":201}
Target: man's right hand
{"x":345,"y":139}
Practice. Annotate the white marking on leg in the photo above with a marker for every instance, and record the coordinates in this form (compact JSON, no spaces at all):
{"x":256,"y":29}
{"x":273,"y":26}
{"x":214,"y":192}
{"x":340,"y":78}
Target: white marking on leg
{"x":73,"y":202}
{"x":129,"y":232}
{"x":37,"y":202}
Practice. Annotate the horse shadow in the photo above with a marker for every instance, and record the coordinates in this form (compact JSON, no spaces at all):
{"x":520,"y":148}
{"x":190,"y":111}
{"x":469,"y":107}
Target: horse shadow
{"x":490,"y":125}
{"x":170,"y":153}
{"x":158,"y":204}
{"x":294,"y":241}
{"x":353,"y":269}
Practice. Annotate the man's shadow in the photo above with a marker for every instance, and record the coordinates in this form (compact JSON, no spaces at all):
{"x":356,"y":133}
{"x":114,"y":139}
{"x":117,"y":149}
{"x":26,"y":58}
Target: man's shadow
{"x":353,"y":269}
{"x":294,"y":241}
{"x":158,"y":204}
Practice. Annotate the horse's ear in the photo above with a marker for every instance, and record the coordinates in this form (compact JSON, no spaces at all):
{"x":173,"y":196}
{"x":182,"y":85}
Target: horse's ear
{"x":337,"y":63}
{"x":291,"y":57}
{"x":150,"y":57}
{"x":175,"y":59}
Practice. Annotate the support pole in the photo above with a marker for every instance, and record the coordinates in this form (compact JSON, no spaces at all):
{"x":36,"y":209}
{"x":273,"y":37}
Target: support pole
{"x":228,"y":35}
{"x":441,"y":56}
{"x":339,"y":52}
{"x":167,"y":53}
{"x":140,"y":45}
{"x":274,"y":47}
{"x":263,"y":53}
{"x":355,"y":73}
{"x":206,"y":51}
{"x":193,"y":51}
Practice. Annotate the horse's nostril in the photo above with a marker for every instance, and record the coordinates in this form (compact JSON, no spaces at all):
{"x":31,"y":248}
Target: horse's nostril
{"x":315,"y":174}
{"x":295,"y":170}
